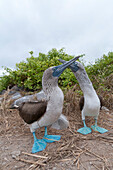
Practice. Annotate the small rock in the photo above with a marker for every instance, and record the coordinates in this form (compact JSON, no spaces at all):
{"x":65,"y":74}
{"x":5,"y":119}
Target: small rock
{"x":105,"y":108}
{"x":16,"y":166}
{"x":5,"y":159}
{"x":15,"y":154}
{"x":54,"y":168}
{"x":16,"y":96}
{"x":3,"y":163}
{"x":107,"y":144}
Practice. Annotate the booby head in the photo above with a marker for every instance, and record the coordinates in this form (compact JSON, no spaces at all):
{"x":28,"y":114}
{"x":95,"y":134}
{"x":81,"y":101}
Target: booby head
{"x":80,"y":73}
{"x":77,"y":66}
{"x":51,"y":75}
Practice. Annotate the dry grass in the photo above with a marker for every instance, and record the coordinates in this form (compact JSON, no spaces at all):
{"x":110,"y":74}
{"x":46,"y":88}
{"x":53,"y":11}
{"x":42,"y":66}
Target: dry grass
{"x":70,"y":109}
{"x":71,"y":147}
{"x":107,"y":91}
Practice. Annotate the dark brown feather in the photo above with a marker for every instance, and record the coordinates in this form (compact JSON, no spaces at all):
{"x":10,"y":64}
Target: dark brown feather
{"x":101,"y":101}
{"x":81,"y":102}
{"x":32,"y":111}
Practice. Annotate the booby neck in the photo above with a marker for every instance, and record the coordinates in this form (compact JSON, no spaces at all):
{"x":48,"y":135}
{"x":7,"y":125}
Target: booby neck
{"x":84,"y":82}
{"x":49,"y":83}
{"x":51,"y":75}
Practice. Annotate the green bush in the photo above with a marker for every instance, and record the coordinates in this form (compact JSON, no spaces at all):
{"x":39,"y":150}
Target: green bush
{"x":102,"y":69}
{"x":28,"y":74}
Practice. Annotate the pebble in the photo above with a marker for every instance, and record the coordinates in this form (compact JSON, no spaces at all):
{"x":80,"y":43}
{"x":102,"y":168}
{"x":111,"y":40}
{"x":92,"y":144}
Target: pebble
{"x":15,"y":154}
{"x":16,"y":96}
{"x":5,"y":159}
{"x":107,"y":144}
{"x":54,"y":168}
{"x":105,"y":108}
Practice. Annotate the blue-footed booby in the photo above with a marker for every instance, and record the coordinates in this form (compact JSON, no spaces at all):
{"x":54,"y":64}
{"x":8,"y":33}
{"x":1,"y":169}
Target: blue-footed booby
{"x":90,"y":104}
{"x":60,"y":124}
{"x":43,"y":114}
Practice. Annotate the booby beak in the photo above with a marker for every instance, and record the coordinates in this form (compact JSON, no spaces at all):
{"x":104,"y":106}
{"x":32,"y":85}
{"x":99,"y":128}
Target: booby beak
{"x":74,"y":67}
{"x":57,"y":70}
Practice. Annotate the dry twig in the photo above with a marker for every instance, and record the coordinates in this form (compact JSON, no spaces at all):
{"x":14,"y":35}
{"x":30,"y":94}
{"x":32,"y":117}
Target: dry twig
{"x":30,"y":161}
{"x":95,"y":166}
{"x":34,"y":155}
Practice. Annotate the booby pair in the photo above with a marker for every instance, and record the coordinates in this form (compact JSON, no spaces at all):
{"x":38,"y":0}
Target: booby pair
{"x":43,"y":114}
{"x":90,"y":104}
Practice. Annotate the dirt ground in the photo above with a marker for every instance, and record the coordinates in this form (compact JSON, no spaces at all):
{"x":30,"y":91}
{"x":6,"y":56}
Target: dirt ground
{"x":74,"y":151}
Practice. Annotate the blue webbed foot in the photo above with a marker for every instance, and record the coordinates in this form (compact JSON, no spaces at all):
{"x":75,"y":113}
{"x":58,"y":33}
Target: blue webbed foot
{"x":39,"y":145}
{"x":51,"y":138}
{"x":99,"y":129}
{"x":85,"y":130}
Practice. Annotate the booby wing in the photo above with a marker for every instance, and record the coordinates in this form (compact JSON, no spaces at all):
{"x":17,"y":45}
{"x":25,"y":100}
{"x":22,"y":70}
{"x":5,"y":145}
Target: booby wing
{"x":40,"y":96}
{"x":61,"y":123}
{"x":32,"y":111}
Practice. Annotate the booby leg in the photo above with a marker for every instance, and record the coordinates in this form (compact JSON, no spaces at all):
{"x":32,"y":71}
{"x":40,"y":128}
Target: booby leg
{"x":97,"y":128}
{"x":50,"y":138}
{"x":85,"y":130}
{"x":39,"y":144}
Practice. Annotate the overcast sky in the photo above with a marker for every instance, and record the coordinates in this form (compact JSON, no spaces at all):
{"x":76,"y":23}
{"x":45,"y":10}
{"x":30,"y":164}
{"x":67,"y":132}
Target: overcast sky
{"x":81,"y":26}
